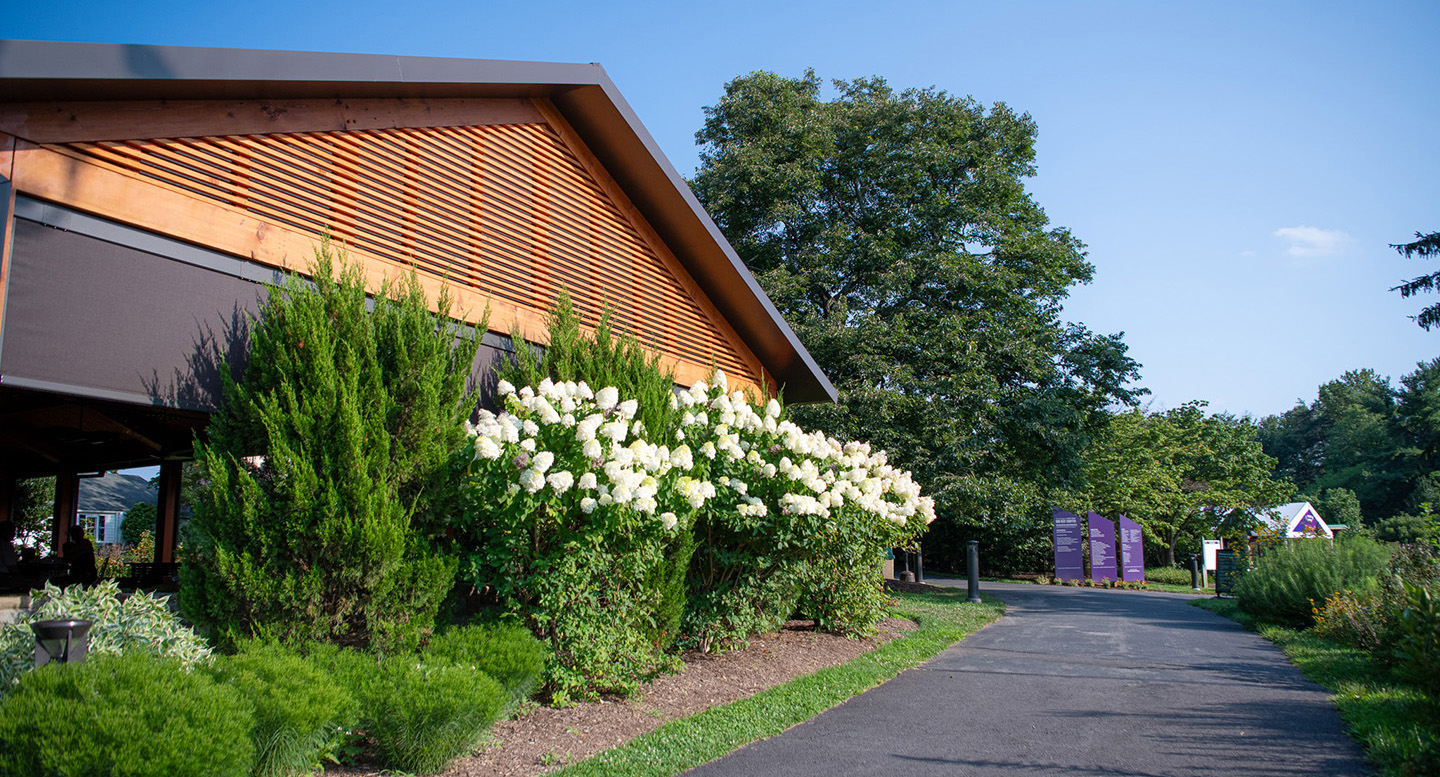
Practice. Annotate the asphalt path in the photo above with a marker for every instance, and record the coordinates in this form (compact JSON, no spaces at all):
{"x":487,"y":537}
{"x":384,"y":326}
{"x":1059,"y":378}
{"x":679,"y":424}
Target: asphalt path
{"x":1076,"y":681}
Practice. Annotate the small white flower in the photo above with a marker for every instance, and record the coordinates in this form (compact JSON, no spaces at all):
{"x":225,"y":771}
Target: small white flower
{"x":528,"y":444}
{"x":587,"y":505}
{"x":628,"y":408}
{"x":668,"y":521}
{"x":587,"y":481}
{"x":561,"y":481}
{"x":543,"y":460}
{"x":606,"y":397}
{"x":532,"y":479}
{"x":505,"y":387}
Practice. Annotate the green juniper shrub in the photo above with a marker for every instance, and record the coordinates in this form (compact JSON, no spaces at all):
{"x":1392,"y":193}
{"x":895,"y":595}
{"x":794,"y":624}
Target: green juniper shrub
{"x":323,"y":477}
{"x":506,"y":652}
{"x":296,"y":707}
{"x":422,"y":717}
{"x":1289,"y":581}
{"x":141,"y":623}
{"x":129,"y":715}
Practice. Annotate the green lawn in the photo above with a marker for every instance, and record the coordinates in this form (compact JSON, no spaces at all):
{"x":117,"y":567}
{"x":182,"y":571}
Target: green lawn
{"x":944,"y":619}
{"x":1398,"y":726}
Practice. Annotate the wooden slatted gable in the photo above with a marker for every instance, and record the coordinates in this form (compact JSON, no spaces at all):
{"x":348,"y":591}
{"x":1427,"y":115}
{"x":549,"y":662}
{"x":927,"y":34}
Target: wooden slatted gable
{"x":507,"y":209}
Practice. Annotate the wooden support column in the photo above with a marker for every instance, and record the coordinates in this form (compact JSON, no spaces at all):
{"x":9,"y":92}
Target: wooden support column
{"x":167,"y":512}
{"x":67,"y":503}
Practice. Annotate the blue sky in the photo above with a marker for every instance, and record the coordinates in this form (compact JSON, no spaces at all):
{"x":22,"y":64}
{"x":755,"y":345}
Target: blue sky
{"x":1237,"y":169}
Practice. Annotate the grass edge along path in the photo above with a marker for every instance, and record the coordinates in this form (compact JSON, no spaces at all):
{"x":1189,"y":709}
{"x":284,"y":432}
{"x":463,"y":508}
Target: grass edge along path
{"x":1388,"y":719}
{"x":943,"y":618}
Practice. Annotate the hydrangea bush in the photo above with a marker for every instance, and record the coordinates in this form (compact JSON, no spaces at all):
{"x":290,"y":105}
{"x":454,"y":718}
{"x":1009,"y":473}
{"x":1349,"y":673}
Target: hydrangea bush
{"x":570,"y":504}
{"x":568,"y":509}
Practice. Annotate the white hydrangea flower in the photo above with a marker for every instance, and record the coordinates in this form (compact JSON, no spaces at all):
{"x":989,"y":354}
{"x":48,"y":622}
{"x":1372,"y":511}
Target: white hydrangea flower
{"x":505,"y":387}
{"x":487,"y":448}
{"x":587,"y":481}
{"x":587,"y":505}
{"x":607,"y":397}
{"x":532,"y":480}
{"x":528,"y":444}
{"x":560,"y":480}
{"x":668,"y":521}
{"x":543,"y":460}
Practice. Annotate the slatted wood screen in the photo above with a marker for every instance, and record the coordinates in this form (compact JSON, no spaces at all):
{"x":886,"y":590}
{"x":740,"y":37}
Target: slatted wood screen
{"x":506,"y":209}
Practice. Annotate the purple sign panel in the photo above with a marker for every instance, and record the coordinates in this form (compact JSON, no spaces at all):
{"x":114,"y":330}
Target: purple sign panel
{"x":1132,"y":551}
{"x":1069,"y":546}
{"x":1102,"y":547}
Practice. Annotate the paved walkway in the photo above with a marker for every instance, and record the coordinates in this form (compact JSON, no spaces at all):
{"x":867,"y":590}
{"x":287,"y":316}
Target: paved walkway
{"x":1076,"y":681}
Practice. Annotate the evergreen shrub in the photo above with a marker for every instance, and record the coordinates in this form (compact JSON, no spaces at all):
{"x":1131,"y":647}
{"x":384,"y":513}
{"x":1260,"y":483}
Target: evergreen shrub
{"x":1168,"y":575}
{"x":420,"y":718}
{"x":1289,"y":581}
{"x":1417,"y":644}
{"x":506,"y":652}
{"x":296,"y":708}
{"x":130,"y":715}
{"x":324,"y":477}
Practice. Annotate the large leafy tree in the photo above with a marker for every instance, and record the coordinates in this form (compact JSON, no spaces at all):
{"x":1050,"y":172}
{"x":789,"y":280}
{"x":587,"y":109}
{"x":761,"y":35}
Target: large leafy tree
{"x":894,"y":232}
{"x":1176,"y":473}
{"x":1424,"y":246}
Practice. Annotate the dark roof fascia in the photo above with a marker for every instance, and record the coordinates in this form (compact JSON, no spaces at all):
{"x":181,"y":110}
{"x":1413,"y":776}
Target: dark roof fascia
{"x":583,"y":93}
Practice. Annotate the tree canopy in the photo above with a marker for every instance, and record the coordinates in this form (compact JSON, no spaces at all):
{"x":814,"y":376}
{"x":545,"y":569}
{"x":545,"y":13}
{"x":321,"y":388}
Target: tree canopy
{"x":894,"y":232}
{"x":1179,"y":472}
{"x":1424,"y":246}
{"x":1364,"y":437}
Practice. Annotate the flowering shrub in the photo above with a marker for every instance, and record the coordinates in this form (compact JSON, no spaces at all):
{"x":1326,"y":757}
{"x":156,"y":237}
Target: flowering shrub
{"x":797,"y":518}
{"x":570,"y":507}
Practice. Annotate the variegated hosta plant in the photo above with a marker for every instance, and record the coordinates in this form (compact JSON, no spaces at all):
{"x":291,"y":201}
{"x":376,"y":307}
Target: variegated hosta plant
{"x":142,"y":623}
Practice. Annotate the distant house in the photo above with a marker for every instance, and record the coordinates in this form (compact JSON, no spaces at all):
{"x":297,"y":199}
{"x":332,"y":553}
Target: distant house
{"x":104,"y":501}
{"x":1296,"y":519}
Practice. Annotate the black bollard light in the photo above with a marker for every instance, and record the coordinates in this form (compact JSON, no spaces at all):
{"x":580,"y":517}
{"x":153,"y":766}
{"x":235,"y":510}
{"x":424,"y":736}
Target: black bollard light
{"x":972,"y":564}
{"x":64,"y":641}
{"x":1194,"y":574}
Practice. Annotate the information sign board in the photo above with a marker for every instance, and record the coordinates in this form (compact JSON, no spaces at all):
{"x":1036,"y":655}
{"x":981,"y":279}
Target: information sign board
{"x":1132,"y":551}
{"x":1227,"y":572}
{"x":1069,"y":546}
{"x":1102,"y":547}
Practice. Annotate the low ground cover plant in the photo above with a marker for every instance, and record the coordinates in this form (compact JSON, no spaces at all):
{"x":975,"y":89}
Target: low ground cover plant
{"x":130,"y":714}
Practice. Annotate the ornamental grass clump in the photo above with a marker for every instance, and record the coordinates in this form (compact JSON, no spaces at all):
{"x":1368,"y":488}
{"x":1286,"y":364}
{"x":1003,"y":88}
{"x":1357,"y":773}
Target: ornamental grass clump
{"x":507,"y":652}
{"x":295,"y":707}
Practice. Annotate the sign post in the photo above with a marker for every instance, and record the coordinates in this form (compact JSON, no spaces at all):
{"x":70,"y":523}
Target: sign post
{"x":1069,"y":546}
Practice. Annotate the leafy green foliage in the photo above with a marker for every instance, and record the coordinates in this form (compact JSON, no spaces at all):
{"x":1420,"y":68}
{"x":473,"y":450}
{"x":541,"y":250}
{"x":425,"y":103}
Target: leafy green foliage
{"x":1289,"y":582}
{"x":422,"y":718}
{"x":33,"y":505}
{"x":141,"y":624}
{"x":131,"y":714}
{"x":140,"y":518}
{"x":328,"y":471}
{"x":1173,"y":472}
{"x":1418,"y":643}
{"x":894,"y":233}
{"x":507,"y":652}
{"x":607,"y":358}
{"x":295,"y":707}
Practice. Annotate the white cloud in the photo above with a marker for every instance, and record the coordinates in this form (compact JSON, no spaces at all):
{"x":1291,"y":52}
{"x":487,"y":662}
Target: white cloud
{"x":1313,"y":241}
